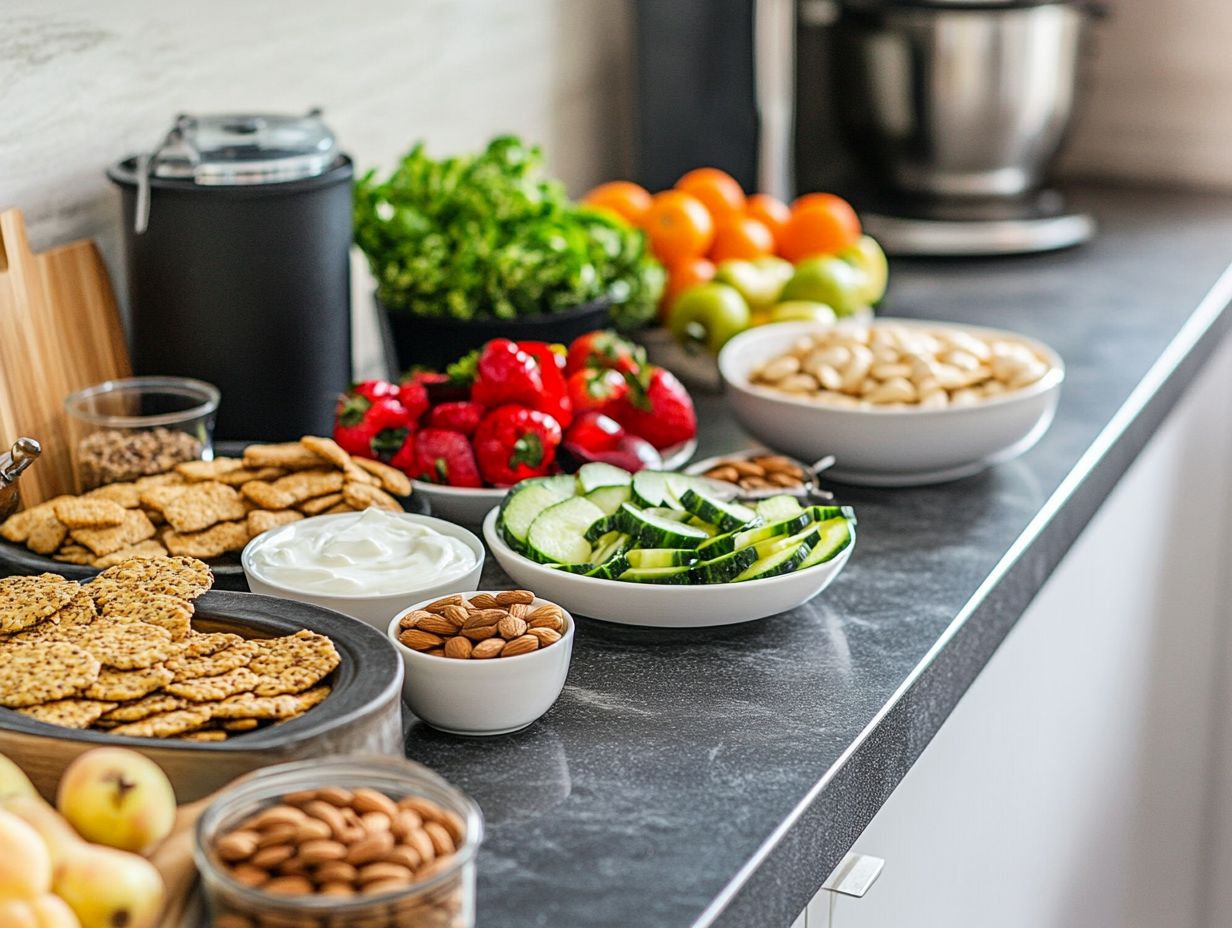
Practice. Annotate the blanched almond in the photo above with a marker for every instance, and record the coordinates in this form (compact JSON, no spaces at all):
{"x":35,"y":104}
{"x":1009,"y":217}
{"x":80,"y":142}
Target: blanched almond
{"x":373,"y":822}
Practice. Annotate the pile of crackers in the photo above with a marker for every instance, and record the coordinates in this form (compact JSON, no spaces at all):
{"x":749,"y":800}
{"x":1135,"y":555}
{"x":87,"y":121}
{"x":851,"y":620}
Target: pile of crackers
{"x":120,"y":654}
{"x":206,"y":509}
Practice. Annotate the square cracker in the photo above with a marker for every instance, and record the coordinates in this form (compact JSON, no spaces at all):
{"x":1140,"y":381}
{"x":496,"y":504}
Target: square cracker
{"x":16,"y":528}
{"x":260,"y":520}
{"x":213,"y":542}
{"x":46,"y":534}
{"x":392,"y":480}
{"x":167,"y":724}
{"x":86,"y":512}
{"x":44,"y":671}
{"x":69,"y":713}
{"x":289,"y":455}
{"x":160,"y":496}
{"x":266,"y":495}
{"x":362,"y":496}
{"x":25,"y":601}
{"x":143,"y":549}
{"x":75,"y":554}
{"x":126,"y":494}
{"x":203,"y":505}
{"x":101,"y":541}
{"x":123,"y":685}
{"x":205,"y":735}
{"x":331,"y":451}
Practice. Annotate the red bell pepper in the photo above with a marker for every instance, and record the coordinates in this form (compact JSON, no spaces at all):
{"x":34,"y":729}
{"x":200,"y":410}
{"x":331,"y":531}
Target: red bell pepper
{"x":554,"y":399}
{"x":513,"y":443}
{"x":370,"y":428}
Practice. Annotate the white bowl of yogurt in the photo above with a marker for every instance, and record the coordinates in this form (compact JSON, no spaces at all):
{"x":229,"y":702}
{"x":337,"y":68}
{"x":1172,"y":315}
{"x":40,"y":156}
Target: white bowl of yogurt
{"x":367,"y":565}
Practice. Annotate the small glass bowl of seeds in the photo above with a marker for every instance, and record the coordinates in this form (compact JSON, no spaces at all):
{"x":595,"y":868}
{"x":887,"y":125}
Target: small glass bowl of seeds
{"x":359,"y":841}
{"x":121,"y":430}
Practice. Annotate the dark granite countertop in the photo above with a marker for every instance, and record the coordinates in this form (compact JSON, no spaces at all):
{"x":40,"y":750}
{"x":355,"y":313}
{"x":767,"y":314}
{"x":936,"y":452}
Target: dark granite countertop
{"x":715,"y":777}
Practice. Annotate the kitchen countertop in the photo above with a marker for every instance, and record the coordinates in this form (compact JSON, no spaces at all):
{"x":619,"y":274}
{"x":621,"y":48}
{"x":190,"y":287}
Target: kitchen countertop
{"x":716,"y":776}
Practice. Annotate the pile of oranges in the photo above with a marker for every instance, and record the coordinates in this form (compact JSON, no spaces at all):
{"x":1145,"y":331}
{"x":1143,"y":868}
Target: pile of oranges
{"x":707,"y":218}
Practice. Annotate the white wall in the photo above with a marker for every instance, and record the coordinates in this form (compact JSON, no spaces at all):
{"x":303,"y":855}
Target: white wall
{"x":1161,"y":82}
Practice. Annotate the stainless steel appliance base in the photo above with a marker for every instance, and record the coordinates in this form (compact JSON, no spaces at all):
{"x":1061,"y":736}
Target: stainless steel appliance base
{"x":907,"y":236}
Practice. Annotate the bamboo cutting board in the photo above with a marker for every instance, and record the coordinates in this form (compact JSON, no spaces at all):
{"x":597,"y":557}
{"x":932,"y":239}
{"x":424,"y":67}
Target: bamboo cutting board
{"x":59,"y":331}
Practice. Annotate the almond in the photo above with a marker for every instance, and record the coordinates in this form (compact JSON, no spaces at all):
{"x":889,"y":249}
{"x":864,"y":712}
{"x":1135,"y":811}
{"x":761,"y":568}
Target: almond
{"x":248,"y":875}
{"x":412,"y":619}
{"x":483,"y":601}
{"x":436,"y":625}
{"x":434,"y":652}
{"x":382,"y":870}
{"x":510,"y":597}
{"x":547,"y":610}
{"x":336,"y":871}
{"x":299,"y":798}
{"x":783,"y":480}
{"x":546,"y":636}
{"x":553,"y":621}
{"x":278,"y":815}
{"x":406,"y":856}
{"x":372,"y":822}
{"x":319,"y":809}
{"x":370,"y":800}
{"x":479,"y":634}
{"x":239,"y":845}
{"x":321,"y":850}
{"x":419,"y":840}
{"x":486,"y":649}
{"x":293,"y":865}
{"x":522,"y":645}
{"x":373,"y":847}
{"x":511,"y":627}
{"x":416,"y":640}
{"x":312,"y":829}
{"x":336,"y":796}
{"x":288,"y":886}
{"x":437,"y":605}
{"x":729,"y":474}
{"x":452,"y":823}
{"x":379,"y":887}
{"x":458,"y":648}
{"x":269,"y":857}
{"x":442,"y":842}
{"x":481,"y":617}
{"x":521,"y":610}
{"x":279,"y":834}
{"x":335,"y":889}
{"x":747,"y":469}
{"x":455,"y":615}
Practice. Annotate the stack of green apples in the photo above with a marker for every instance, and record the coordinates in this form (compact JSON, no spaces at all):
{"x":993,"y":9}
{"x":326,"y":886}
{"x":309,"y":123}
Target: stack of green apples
{"x":743,"y":294}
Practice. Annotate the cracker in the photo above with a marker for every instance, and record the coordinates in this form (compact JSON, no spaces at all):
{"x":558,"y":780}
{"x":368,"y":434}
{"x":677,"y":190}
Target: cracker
{"x":211,"y":735}
{"x":168,"y":612}
{"x":184,"y":577}
{"x":239,"y":724}
{"x":212,"y":689}
{"x":192,"y":667}
{"x":25,"y":601}
{"x":333,"y":452}
{"x":154,"y":704}
{"x":247,"y":706}
{"x":166,"y":725}
{"x":203,"y":505}
{"x":160,"y":496}
{"x":363,"y":496}
{"x":392,"y":480}
{"x":69,"y":713}
{"x":266,"y":495}
{"x":135,"y":527}
{"x":126,"y":645}
{"x":168,"y":478}
{"x":339,"y":508}
{"x":80,"y":610}
{"x":47,"y":533}
{"x":75,"y":554}
{"x":16,"y":528}
{"x":43,"y":671}
{"x":213,"y":542}
{"x":84,"y":512}
{"x":293,"y":663}
{"x":126,"y":494}
{"x":289,"y":455}
{"x":314,"y":507}
{"x":259,"y":520}
{"x":200,"y":644}
{"x":196,"y":471}
{"x":124,"y":685}
{"x":144,"y":549}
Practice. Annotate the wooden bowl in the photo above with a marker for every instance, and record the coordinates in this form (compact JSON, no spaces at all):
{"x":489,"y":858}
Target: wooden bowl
{"x":362,"y":714}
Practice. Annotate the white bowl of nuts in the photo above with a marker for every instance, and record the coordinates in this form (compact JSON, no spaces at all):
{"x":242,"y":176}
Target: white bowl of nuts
{"x":898,"y":402}
{"x":487,"y":662}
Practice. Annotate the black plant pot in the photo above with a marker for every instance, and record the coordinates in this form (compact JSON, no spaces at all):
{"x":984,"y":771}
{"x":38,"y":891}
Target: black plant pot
{"x":435,"y":342}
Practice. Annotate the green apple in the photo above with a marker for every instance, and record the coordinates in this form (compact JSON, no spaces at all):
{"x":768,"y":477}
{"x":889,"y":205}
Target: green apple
{"x":758,"y":285}
{"x":830,"y":280}
{"x":802,"y":311}
{"x":708,"y":314}
{"x":867,"y":255}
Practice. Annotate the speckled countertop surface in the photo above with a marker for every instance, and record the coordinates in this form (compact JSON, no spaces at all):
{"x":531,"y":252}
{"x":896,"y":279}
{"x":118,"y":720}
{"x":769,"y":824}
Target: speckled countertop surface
{"x":715,"y":777}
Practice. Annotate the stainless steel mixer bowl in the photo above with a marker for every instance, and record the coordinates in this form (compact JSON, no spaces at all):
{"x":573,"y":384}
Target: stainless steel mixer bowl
{"x":958,"y":100}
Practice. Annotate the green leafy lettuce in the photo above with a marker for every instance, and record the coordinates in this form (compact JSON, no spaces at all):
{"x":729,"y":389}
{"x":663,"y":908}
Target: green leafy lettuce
{"x":488,"y":236}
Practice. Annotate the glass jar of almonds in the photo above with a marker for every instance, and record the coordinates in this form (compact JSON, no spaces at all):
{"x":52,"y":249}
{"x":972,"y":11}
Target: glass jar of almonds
{"x":360,"y":841}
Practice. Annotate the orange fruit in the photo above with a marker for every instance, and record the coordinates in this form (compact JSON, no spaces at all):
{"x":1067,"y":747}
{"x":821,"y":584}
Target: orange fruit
{"x":770,"y":211}
{"x":741,"y":237}
{"x":623,"y":197}
{"x":678,"y":226}
{"x":682,"y":276}
{"x":718,"y":191}
{"x":820,"y":224}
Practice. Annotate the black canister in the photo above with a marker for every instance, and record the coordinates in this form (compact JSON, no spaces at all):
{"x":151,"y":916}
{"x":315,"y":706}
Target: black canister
{"x":237,"y":241}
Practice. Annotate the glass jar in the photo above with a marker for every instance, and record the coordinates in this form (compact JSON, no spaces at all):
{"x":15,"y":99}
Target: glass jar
{"x":446,"y":899}
{"x":139,"y":426}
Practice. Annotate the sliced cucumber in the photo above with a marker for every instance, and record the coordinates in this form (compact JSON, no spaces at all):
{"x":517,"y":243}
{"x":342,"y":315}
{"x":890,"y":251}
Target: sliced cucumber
{"x":779,"y":507}
{"x":806,"y":538}
{"x":662,"y":557}
{"x":596,"y":474}
{"x":732,"y":541}
{"x":780,"y":562}
{"x":610,"y":545}
{"x":526,"y":501}
{"x":655,"y":530}
{"x":825,"y":513}
{"x":609,"y":498}
{"x":604,"y":526}
{"x":611,"y":568}
{"x":728,"y":517}
{"x":724,"y":568}
{"x":674,"y":575}
{"x":835,"y":535}
{"x":559,"y":532}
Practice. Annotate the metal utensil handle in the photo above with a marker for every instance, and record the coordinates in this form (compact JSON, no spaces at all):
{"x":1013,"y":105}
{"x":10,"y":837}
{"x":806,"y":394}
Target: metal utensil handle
{"x":141,"y":214}
{"x":24,"y":453}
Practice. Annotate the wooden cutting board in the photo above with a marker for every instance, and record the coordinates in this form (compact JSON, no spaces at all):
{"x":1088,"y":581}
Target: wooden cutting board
{"x":59,"y":331}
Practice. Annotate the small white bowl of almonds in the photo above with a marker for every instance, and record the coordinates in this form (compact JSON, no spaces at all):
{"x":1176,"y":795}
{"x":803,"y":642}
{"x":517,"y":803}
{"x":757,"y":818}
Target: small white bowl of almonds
{"x":487,"y":662}
{"x":898,"y":402}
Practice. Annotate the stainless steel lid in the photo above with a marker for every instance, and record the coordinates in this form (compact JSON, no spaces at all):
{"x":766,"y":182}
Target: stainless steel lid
{"x":227,"y":149}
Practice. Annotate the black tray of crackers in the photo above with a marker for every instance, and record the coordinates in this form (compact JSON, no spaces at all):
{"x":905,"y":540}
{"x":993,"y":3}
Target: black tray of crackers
{"x":202,"y":509}
{"x":145,"y":656}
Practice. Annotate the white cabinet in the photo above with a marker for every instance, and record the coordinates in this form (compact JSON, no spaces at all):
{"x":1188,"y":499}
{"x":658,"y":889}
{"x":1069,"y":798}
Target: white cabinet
{"x":1076,"y":783}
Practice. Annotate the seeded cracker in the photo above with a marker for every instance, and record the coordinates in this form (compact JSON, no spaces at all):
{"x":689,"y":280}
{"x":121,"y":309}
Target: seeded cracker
{"x":40,"y":672}
{"x":173,"y":576}
{"x":145,"y":549}
{"x":211,"y":735}
{"x":135,"y":527}
{"x":211,"y":665}
{"x":27,"y":600}
{"x":168,"y":612}
{"x":212,"y":689}
{"x":123,"y":685}
{"x":200,"y":644}
{"x":247,"y":706}
{"x":144,"y":708}
{"x":292,"y":664}
{"x":80,"y":610}
{"x":127,"y":645}
{"x":203,"y":505}
{"x":240,"y":724}
{"x":69,"y":713}
{"x":166,"y":725}
{"x":213,"y":542}
{"x":84,"y":512}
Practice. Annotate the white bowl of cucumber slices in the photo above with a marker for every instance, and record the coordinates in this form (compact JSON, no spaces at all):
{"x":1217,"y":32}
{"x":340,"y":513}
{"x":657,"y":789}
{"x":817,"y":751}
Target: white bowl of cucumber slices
{"x":665,"y":549}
